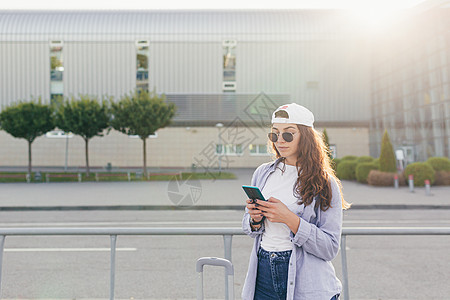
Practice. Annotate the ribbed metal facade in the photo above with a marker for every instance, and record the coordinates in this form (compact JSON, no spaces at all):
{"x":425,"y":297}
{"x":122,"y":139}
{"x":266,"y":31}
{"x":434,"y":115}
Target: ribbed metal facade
{"x":317,"y":58}
{"x":411,"y":86}
{"x":24,"y":71}
{"x":99,"y":68}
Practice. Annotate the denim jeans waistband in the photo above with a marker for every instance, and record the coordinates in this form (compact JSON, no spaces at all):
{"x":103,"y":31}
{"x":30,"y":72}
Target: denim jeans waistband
{"x":266,"y":254}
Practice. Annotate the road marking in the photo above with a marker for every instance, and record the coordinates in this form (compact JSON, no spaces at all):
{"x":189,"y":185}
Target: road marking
{"x":66,"y":249}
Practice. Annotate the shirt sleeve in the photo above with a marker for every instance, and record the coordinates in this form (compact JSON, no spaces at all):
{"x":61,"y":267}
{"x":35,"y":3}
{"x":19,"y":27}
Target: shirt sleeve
{"x":323,"y":240}
{"x":246,"y":219}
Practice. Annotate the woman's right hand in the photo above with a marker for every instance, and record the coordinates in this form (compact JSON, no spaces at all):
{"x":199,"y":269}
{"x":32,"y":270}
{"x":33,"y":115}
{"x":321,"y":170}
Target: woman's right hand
{"x":253,"y":211}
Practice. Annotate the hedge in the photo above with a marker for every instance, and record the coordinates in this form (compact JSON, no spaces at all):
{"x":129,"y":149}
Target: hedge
{"x":442,"y":178}
{"x":365,"y":159}
{"x":420,"y":171}
{"x":439,"y":163}
{"x":346,"y":170}
{"x":334,"y":163}
{"x":349,"y":157}
{"x":363,"y":169}
{"x":379,"y":178}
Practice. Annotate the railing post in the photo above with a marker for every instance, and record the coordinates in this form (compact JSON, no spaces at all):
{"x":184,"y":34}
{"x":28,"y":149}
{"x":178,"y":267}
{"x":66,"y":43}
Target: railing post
{"x":2,"y":246}
{"x":344,"y":266}
{"x":227,"y":239}
{"x":113,"y":266}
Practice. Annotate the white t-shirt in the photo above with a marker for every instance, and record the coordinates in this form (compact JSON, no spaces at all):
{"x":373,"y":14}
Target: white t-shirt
{"x":280,"y":185}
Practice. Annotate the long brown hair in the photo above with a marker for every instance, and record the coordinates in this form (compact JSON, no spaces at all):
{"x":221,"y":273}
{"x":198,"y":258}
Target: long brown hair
{"x":314,"y":170}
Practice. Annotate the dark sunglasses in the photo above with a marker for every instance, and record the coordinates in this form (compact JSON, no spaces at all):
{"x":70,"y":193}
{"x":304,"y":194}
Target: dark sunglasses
{"x":287,"y":136}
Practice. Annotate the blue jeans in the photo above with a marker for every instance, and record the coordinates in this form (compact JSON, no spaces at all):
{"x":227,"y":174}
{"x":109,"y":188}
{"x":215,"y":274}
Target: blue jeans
{"x":271,"y":279}
{"x":272,"y":275}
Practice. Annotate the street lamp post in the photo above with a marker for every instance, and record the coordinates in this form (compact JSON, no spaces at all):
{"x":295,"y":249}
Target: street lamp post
{"x":219,"y":125}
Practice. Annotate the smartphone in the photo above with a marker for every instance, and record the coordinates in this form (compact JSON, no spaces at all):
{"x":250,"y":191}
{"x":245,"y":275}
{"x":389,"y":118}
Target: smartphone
{"x":253,"y":192}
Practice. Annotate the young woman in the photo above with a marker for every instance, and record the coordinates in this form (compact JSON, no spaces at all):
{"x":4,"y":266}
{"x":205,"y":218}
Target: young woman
{"x":297,"y":231}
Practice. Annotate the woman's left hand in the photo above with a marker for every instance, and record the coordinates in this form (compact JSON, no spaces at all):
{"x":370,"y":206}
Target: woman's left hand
{"x":276,"y":211}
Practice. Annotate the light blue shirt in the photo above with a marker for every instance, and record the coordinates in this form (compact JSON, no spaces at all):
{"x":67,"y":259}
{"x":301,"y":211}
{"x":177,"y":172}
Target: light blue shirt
{"x":311,"y":275}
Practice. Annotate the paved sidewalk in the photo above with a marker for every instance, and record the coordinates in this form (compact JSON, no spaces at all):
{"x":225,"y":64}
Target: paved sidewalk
{"x":200,"y":193}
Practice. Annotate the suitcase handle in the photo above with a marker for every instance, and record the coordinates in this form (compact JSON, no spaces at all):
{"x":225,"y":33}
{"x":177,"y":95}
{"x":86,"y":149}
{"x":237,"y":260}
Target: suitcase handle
{"x":229,"y":275}
{"x":214,"y":261}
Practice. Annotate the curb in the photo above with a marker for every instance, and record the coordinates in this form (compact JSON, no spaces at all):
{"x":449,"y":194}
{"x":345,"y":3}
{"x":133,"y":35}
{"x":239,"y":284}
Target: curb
{"x":200,"y":207}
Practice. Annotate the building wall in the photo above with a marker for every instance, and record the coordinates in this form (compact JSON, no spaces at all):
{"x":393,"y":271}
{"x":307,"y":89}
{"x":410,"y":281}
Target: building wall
{"x":330,"y":77}
{"x":98,"y":68}
{"x":24,"y":71}
{"x":339,"y":74}
{"x":315,"y":58}
{"x":411,"y":86}
{"x":173,"y":147}
{"x":186,"y":67}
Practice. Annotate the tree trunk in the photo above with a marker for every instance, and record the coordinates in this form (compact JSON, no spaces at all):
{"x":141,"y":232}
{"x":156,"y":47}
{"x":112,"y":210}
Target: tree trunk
{"x":144,"y":140}
{"x":29,"y":158}
{"x":87,"y":157}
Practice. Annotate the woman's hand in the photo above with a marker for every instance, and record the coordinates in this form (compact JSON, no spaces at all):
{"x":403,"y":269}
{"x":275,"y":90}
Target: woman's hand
{"x":253,"y":211}
{"x":276,"y":211}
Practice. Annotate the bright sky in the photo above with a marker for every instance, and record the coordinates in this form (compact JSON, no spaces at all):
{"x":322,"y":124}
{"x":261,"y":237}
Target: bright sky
{"x":382,"y":6}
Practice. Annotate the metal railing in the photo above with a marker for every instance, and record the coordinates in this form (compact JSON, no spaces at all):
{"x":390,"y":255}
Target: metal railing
{"x":227,"y":234}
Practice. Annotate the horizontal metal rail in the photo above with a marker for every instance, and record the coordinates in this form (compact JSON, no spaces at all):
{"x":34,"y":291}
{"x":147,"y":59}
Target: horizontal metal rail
{"x":227,"y":234}
{"x":212,"y":231}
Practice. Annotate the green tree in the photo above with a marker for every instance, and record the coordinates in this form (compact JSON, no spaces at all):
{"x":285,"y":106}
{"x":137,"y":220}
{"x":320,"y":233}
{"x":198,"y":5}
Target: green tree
{"x":387,"y":158}
{"x":142,"y":113}
{"x":327,"y":143}
{"x":87,"y":117}
{"x":27,"y":120}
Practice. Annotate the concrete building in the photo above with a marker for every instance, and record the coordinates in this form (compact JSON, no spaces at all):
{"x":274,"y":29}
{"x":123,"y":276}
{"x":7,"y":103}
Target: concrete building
{"x":411,"y":83}
{"x":228,"y":67}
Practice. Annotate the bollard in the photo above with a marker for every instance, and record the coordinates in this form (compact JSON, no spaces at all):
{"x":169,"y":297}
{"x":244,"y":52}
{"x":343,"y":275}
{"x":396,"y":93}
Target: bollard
{"x":396,"y":181}
{"x":411,"y":183}
{"x":427,"y":187}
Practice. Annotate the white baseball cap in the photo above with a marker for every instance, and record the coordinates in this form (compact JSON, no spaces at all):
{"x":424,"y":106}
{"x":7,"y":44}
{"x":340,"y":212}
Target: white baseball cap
{"x":297,"y":115}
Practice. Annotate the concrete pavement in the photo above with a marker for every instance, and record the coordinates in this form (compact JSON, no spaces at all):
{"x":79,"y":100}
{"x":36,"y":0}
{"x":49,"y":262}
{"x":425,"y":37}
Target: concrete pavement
{"x":195,"y":194}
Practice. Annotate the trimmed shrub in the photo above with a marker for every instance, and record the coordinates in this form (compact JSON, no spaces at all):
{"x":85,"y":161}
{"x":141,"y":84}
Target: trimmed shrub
{"x":439,"y":163}
{"x":379,"y":178}
{"x":377,"y":162}
{"x":442,"y":178}
{"x":346,"y":170}
{"x":365,"y":159}
{"x":387,"y":157}
{"x":363,"y":169}
{"x":334,"y":163}
{"x":421,"y":171}
{"x":349,"y":157}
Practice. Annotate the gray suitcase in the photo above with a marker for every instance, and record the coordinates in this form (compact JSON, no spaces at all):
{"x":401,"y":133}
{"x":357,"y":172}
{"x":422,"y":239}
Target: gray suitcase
{"x":229,"y":273}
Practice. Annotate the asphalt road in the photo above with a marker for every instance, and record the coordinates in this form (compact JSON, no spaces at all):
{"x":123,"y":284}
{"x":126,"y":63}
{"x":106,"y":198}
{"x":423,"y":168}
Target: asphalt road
{"x":163,"y":267}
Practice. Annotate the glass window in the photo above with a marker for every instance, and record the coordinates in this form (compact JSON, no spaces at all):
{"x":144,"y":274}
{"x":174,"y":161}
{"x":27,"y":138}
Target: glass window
{"x":142,"y":55}
{"x":238,"y":149}
{"x":258,"y":149}
{"x":56,"y":70}
{"x":229,"y":149}
{"x":219,"y":149}
{"x":229,"y":65}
